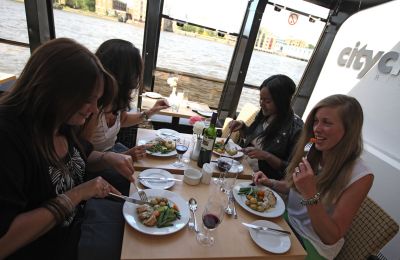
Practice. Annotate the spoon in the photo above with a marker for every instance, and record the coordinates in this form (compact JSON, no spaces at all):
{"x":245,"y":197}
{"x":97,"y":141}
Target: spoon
{"x":193,"y":208}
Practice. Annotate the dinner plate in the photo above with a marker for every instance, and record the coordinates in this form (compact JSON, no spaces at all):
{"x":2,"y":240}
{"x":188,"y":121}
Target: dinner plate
{"x":131,"y":216}
{"x":156,"y":184}
{"x":277,"y":211}
{"x":168,"y":133}
{"x":268,"y":241}
{"x":231,"y":143}
{"x":153,"y":95}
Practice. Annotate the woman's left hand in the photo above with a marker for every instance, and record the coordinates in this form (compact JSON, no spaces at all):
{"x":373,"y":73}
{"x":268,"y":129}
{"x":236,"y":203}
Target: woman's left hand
{"x":254,"y":153}
{"x":122,"y":163}
{"x":304,"y":179}
{"x":137,"y":152}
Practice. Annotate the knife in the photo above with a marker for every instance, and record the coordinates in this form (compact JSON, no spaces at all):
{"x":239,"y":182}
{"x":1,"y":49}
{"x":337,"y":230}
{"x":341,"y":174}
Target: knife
{"x":158,"y":178}
{"x":128,"y":199}
{"x":283,"y":232}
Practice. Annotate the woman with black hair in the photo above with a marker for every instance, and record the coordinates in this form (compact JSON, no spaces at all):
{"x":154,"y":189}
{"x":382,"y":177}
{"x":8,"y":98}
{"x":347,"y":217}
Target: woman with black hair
{"x":273,"y":134}
{"x":122,"y":59}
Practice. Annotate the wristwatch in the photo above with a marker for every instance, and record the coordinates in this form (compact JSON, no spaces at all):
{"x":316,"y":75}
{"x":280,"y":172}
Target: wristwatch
{"x":144,"y":116}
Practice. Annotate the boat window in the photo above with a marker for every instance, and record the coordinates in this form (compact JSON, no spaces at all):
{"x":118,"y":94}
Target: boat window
{"x":92,"y":24}
{"x":197,"y":44}
{"x":13,"y":28}
{"x":285,"y":42}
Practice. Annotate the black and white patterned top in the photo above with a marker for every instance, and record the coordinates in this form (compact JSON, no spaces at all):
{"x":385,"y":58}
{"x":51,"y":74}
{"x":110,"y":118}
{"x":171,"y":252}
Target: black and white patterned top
{"x":70,"y":177}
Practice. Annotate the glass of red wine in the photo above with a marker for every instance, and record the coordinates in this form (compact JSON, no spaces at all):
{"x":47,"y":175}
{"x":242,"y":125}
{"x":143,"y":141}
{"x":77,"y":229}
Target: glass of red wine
{"x":212,"y":216}
{"x":181,"y":146}
{"x":224,"y":165}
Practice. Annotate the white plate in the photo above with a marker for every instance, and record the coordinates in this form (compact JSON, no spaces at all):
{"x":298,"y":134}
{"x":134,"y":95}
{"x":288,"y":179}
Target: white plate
{"x":270,"y":242}
{"x":269,"y":213}
{"x":204,"y":113}
{"x":239,"y":153}
{"x":153,"y":95}
{"x":155,"y":184}
{"x":168,"y":133}
{"x":131,"y":217}
{"x":237,"y":167}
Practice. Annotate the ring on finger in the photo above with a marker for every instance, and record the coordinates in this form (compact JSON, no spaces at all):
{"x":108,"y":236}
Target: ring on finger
{"x":297,"y":170}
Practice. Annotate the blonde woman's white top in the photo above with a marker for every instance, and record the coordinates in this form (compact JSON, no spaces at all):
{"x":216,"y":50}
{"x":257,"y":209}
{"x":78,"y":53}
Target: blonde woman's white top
{"x":104,"y":137}
{"x":301,"y":222}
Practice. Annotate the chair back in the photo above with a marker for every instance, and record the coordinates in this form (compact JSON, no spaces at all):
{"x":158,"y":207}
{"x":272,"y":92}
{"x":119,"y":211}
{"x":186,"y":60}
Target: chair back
{"x":247,"y":115}
{"x":371,"y":229}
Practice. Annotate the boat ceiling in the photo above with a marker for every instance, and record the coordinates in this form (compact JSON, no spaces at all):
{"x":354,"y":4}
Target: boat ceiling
{"x":348,"y":5}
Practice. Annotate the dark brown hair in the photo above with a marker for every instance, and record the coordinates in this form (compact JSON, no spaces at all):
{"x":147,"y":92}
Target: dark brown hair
{"x":56,"y":82}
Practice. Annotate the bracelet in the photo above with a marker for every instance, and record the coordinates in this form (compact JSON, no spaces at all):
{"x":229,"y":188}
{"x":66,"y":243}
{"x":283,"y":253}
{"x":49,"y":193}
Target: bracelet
{"x":311,"y":201}
{"x":144,"y":115}
{"x":60,"y":207}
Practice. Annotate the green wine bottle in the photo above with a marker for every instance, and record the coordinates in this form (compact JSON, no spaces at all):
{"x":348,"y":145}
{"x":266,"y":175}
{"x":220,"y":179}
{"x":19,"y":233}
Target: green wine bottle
{"x":207,"y":145}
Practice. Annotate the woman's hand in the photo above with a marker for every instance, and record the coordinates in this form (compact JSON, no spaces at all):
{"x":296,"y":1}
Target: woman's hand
{"x":304,"y":179}
{"x":259,"y":178}
{"x":137,"y":152}
{"x":235,"y":125}
{"x":159,"y":105}
{"x":94,"y":188}
{"x":122,"y":163}
{"x":255,"y":153}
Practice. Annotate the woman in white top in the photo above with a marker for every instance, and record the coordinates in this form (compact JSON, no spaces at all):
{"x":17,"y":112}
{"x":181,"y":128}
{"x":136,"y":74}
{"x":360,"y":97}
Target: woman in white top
{"x":122,"y":59}
{"x":326,"y":188}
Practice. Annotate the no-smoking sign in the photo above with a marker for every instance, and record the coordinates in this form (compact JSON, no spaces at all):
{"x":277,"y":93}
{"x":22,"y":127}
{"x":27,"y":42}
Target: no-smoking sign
{"x":292,"y":20}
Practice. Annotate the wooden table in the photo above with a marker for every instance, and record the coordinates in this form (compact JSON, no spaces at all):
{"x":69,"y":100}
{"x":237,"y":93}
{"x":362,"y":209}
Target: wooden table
{"x":6,"y":80}
{"x":232,"y":239}
{"x":166,"y":162}
{"x":183,"y":111}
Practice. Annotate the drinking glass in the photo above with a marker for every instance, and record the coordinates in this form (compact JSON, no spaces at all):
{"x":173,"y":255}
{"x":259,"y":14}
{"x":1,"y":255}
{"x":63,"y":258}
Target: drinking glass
{"x":181,"y":146}
{"x":228,"y":182}
{"x":212,"y":216}
{"x":224,"y":165}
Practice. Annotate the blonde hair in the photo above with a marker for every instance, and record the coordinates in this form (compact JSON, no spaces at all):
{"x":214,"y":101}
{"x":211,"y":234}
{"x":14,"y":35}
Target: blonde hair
{"x":339,"y":163}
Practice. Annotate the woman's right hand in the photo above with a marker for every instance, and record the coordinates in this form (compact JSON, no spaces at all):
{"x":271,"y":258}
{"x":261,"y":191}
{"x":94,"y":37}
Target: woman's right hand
{"x":235,"y":125}
{"x":94,"y":188}
{"x":259,"y":178}
{"x":137,"y":152}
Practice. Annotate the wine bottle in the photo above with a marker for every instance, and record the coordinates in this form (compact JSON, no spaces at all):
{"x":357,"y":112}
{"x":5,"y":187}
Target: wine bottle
{"x":207,"y":144}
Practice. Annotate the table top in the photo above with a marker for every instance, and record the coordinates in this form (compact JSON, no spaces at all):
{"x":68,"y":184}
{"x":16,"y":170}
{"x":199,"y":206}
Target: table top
{"x":183,"y":111}
{"x":165,"y":163}
{"x":232,"y":240}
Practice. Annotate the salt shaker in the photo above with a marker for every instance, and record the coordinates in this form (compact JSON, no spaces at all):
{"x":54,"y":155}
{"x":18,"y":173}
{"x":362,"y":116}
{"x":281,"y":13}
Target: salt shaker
{"x":207,"y":172}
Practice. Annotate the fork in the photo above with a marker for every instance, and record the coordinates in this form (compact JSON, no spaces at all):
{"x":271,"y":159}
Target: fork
{"x":308,"y":147}
{"x":141,"y":193}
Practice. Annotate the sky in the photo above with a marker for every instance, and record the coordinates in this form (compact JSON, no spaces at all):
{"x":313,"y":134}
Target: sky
{"x":214,"y":14}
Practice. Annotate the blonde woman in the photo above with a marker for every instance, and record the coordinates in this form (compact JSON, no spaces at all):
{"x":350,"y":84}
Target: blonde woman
{"x":325,"y":192}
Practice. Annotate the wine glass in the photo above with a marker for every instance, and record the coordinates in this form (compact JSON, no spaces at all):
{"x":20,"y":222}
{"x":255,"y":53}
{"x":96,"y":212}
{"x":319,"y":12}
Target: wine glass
{"x":181,"y":146}
{"x":228,"y":182}
{"x":224,"y":165}
{"x":212,"y":216}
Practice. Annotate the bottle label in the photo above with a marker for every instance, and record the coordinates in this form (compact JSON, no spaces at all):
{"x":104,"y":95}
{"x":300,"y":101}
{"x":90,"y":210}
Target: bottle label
{"x":207,"y":143}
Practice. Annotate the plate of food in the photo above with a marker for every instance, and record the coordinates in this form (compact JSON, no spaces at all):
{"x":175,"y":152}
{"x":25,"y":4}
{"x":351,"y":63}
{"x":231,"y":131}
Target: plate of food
{"x":168,"y":213}
{"x":231,"y":150}
{"x":154,"y":95}
{"x":259,"y":200}
{"x":161,"y":147}
{"x":204,"y":113}
{"x":156,"y":184}
{"x":167,"y":133}
{"x":270,"y":242}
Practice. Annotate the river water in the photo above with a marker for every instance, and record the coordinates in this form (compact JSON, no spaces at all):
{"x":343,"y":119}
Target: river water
{"x":176,"y":52}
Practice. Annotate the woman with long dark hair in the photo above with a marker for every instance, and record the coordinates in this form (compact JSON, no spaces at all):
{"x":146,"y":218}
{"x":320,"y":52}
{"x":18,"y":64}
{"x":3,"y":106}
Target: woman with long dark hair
{"x":43,"y":163}
{"x":273,"y":134}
